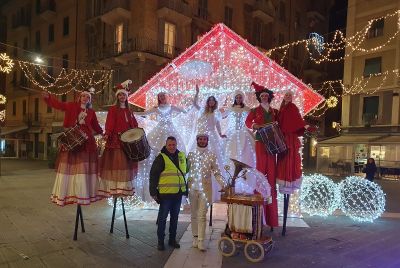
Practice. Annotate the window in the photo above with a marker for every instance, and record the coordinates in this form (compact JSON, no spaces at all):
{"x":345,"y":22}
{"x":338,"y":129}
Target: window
{"x":370,"y":109}
{"x":282,"y":11}
{"x":50,"y":70}
{"x":281,"y":39}
{"x":228,"y":16}
{"x":66,"y":26}
{"x":257,"y":32}
{"x":24,"y":107}
{"x":25,"y":46}
{"x":23,"y":81}
{"x":376,"y":28}
{"x":51,"y":33}
{"x":15,"y":50}
{"x":372,"y":66}
{"x":38,"y":7}
{"x":119,"y":31}
{"x":169,"y":37}
{"x":14,"y":108}
{"x":37,"y":41}
{"x":65,"y":61}
{"x":202,"y":10}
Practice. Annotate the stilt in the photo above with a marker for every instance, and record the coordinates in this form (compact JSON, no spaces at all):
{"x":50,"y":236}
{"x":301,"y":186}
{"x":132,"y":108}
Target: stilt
{"x":210,"y":223}
{"x":285,"y":212}
{"x":113,"y":215}
{"x":78,"y":215}
{"x":123,"y":211}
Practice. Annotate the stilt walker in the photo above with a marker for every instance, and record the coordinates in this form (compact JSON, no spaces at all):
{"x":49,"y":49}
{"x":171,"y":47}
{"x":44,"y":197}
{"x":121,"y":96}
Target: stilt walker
{"x":117,"y":170}
{"x":76,"y":169}
{"x":289,"y":171}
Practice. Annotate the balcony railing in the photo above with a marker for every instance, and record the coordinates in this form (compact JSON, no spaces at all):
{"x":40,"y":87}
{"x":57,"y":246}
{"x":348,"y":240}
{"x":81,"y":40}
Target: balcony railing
{"x":139,"y":45}
{"x":110,"y":5}
{"x":49,"y":5}
{"x":177,"y":5}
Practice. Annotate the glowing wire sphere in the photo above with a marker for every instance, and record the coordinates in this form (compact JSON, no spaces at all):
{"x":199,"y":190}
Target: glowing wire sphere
{"x":132,"y":202}
{"x":332,"y":101}
{"x":361,"y":199}
{"x":195,"y":69}
{"x":319,"y":195}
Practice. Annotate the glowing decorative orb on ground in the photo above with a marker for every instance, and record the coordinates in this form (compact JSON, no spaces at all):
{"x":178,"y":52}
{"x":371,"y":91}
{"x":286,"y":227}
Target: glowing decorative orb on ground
{"x":319,"y":195}
{"x":6,"y":64}
{"x":132,"y":202}
{"x":361,"y":199}
{"x":195,"y":69}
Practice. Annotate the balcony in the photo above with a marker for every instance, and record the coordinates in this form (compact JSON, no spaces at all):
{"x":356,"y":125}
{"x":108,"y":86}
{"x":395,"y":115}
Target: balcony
{"x":176,"y":11}
{"x":21,"y":24}
{"x":137,"y":48}
{"x":264,"y":10}
{"x":48,"y":10}
{"x":116,"y":11}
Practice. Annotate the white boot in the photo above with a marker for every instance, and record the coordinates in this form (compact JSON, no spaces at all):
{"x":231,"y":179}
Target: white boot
{"x":195,"y":242}
{"x":200,"y":245}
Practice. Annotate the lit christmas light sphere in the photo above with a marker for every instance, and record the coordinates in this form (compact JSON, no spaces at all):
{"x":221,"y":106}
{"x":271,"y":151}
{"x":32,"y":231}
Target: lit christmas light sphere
{"x":361,"y":199}
{"x":319,"y":195}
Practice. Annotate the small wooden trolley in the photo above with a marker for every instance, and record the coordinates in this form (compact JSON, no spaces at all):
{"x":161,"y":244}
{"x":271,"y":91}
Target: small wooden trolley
{"x":255,"y":244}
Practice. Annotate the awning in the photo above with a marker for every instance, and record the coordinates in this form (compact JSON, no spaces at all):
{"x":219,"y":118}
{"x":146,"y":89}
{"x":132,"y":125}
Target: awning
{"x":352,"y":139}
{"x":9,"y":130}
{"x":388,"y":139}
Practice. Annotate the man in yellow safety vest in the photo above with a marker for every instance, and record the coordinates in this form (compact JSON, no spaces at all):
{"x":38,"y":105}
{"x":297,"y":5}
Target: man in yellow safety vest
{"x":167,"y":185}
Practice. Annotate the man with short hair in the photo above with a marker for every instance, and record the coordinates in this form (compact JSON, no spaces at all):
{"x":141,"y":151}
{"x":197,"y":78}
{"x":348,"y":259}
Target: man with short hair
{"x":167,"y":185}
{"x":202,"y":164}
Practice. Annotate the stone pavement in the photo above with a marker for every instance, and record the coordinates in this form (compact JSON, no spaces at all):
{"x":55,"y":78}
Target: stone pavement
{"x":36,"y":233}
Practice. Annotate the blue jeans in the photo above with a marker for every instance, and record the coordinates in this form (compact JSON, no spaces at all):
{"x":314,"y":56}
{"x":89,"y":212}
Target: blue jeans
{"x":172,"y":206}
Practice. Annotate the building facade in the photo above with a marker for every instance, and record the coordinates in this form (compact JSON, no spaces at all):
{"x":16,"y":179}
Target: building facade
{"x":371,"y":109}
{"x":135,"y":39}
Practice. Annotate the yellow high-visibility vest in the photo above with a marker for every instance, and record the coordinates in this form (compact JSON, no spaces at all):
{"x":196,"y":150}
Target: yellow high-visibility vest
{"x":171,"y":179}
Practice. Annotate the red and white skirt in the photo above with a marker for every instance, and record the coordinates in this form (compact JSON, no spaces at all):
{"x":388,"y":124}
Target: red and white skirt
{"x":117,"y":173}
{"x":76,"y":178}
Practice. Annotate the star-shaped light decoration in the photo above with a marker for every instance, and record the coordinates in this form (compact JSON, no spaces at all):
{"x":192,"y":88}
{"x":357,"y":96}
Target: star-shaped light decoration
{"x":235,"y":64}
{"x":6,"y":64}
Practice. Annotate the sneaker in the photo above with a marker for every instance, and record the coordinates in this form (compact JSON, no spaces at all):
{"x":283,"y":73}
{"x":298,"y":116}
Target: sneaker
{"x":161,"y":246}
{"x":200,"y":245}
{"x":195,"y":242}
{"x":174,"y":244}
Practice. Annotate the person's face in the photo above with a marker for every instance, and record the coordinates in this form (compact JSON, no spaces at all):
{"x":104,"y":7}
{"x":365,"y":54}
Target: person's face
{"x":211,"y":102}
{"x":84,"y":99}
{"x":162,"y":98}
{"x":369,"y":160}
{"x":121,"y":97}
{"x":288,"y":97}
{"x":202,"y":141}
{"x":264,"y":98}
{"x":171,"y":146}
{"x":239,"y":99}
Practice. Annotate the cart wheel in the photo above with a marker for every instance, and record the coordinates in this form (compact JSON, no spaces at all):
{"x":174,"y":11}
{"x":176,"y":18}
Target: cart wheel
{"x":226,"y":246}
{"x":254,"y":251}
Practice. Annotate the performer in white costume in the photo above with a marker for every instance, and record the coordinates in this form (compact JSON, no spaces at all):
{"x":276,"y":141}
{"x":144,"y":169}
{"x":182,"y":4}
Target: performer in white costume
{"x":202,"y":164}
{"x":240,"y":143}
{"x":164,"y":128}
{"x":208,"y":123}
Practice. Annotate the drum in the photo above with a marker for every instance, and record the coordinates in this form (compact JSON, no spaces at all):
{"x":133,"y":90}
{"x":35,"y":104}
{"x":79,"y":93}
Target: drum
{"x":135,"y":145}
{"x":272,"y":137}
{"x":73,"y":139}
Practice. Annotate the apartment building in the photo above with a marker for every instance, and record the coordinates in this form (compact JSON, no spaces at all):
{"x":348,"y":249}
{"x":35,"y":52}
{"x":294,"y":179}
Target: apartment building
{"x":371,"y":110}
{"x":135,"y":39}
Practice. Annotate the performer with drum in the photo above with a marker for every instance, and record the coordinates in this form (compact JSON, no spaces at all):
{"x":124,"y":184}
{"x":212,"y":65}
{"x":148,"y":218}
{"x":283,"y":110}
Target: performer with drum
{"x":202,"y":163}
{"x":76,"y":170}
{"x":265,"y":161}
{"x":117,"y":171}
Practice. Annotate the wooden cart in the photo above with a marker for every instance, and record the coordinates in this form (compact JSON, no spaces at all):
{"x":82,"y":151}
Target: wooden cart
{"x":256,"y":246}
